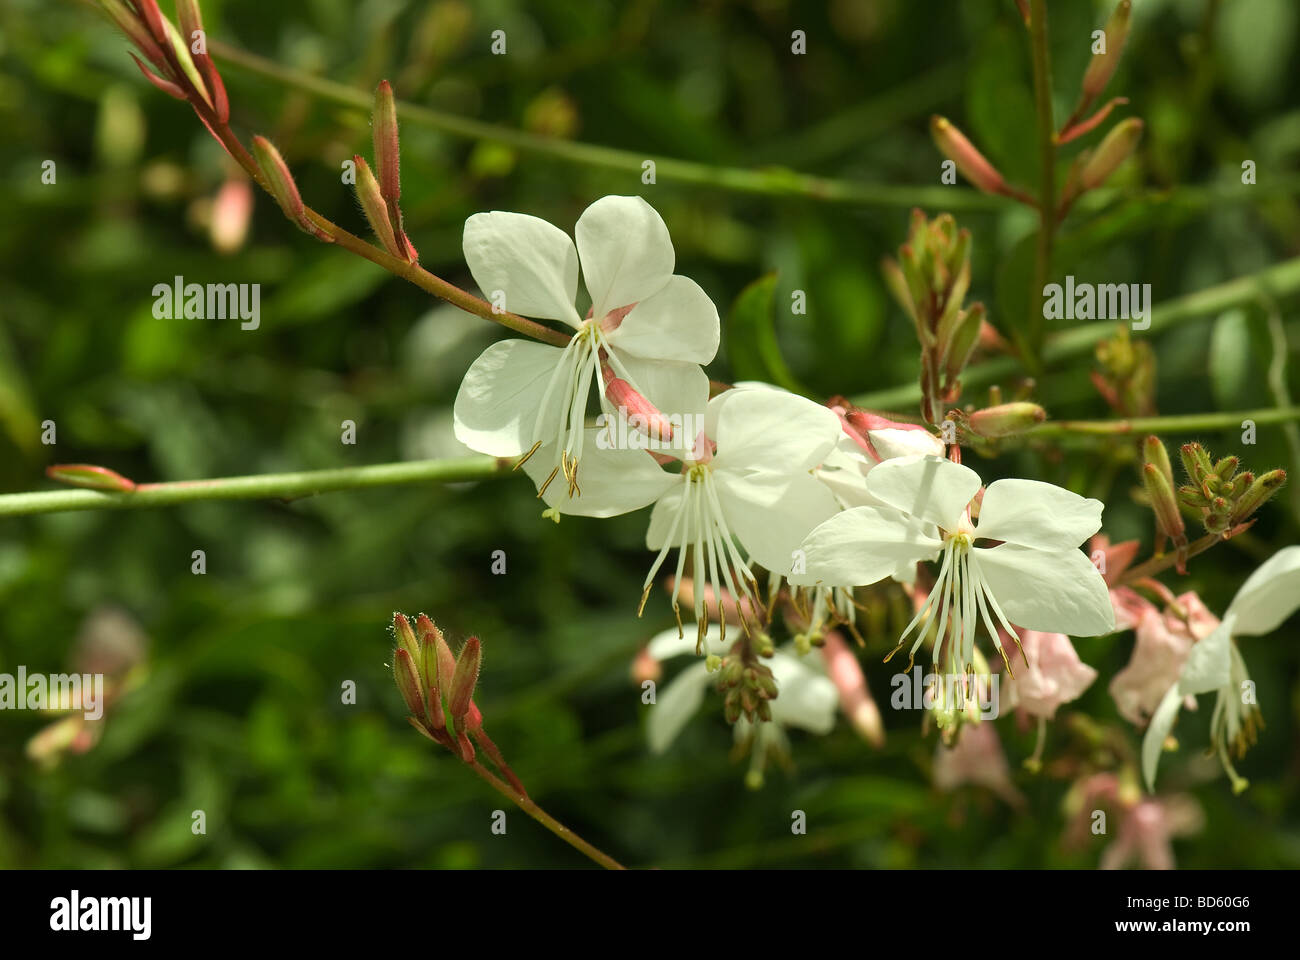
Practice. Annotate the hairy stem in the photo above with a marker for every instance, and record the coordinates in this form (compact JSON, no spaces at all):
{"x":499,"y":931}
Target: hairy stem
{"x":269,"y":486}
{"x":528,"y":806}
{"x":1176,"y":423}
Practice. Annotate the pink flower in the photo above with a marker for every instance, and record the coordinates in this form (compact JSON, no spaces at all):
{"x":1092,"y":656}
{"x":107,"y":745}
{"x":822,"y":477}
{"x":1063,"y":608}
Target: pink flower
{"x":1163,"y":643}
{"x":855,"y":698}
{"x":1053,"y":674}
{"x":1146,"y":829}
{"x":976,"y":758}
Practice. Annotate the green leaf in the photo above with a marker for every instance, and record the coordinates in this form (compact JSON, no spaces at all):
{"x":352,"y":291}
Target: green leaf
{"x":752,"y":346}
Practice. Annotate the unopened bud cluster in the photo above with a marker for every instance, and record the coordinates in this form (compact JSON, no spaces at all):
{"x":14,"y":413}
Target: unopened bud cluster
{"x":1217,"y":495}
{"x":746,"y":683}
{"x":930,"y":280}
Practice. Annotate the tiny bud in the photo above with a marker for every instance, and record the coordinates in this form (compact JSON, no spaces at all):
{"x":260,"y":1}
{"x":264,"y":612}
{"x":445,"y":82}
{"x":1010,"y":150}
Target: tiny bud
{"x":632,"y":404}
{"x":1006,"y":420}
{"x":465,"y":678}
{"x":281,"y":184}
{"x":1113,"y":151}
{"x":375,"y":208}
{"x":1257,"y":494}
{"x":1168,"y":519}
{"x":408,"y":683}
{"x":1196,"y":462}
{"x":1226,"y":468}
{"x":386,"y":142}
{"x":1102,"y":66}
{"x":952,"y":143}
{"x":1154,"y":453}
{"x":90,"y":477}
{"x":963,"y":342}
{"x":406,"y":637}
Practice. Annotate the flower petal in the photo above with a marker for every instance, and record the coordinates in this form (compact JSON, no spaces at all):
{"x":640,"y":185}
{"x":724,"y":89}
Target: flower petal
{"x":931,"y":488}
{"x":1209,"y":662}
{"x":1153,"y":744}
{"x":679,"y":322}
{"x":771,"y":514}
{"x":497,"y":403}
{"x":863,"y":545}
{"x":532,"y":262}
{"x":1056,"y":591}
{"x":610,"y":482}
{"x":770,"y":430}
{"x":1036,"y":514}
{"x":806,"y":698}
{"x":672,"y":643}
{"x":627,"y":255}
{"x":676,"y":703}
{"x":1269,"y":595}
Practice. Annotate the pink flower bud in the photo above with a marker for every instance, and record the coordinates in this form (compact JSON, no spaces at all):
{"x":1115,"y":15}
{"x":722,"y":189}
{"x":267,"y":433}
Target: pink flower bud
{"x":952,"y":143}
{"x":386,"y":142}
{"x":375,"y":208}
{"x":855,"y":698}
{"x":90,"y":477}
{"x":465,"y":678}
{"x":1007,"y":419}
{"x":635,"y":408}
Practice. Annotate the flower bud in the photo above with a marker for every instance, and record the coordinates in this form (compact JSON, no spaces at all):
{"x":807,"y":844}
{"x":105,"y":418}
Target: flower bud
{"x":1257,"y":494}
{"x":406,"y":637}
{"x":408,"y":682}
{"x":1006,"y":420}
{"x":1168,"y":519}
{"x":1154,"y":453}
{"x":635,"y":407}
{"x":952,"y":143}
{"x":386,"y":143}
{"x":465,"y":678}
{"x":90,"y":477}
{"x":281,"y":184}
{"x":136,"y":31}
{"x":376,"y":209}
{"x":963,"y":341}
{"x":1113,"y":151}
{"x":1102,"y":66}
{"x":1196,"y":462}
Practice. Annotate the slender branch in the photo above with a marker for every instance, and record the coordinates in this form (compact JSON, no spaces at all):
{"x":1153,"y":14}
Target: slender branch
{"x":410,"y":271}
{"x":269,"y":486}
{"x":1282,"y":279}
{"x":1166,"y":560}
{"x":1047,"y":179}
{"x":530,"y":807}
{"x":1177,"y":423}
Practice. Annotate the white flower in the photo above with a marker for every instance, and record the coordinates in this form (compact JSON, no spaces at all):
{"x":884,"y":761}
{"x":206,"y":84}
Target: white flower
{"x":1269,"y":596}
{"x":1034,"y":575}
{"x":806,"y":698}
{"x":744,"y":493}
{"x":647,"y":327}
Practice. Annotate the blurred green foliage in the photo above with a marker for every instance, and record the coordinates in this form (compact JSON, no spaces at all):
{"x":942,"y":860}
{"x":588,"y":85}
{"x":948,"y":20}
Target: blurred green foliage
{"x":240,"y":712}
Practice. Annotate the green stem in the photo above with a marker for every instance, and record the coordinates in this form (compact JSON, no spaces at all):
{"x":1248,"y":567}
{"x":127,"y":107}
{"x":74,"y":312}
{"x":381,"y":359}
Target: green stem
{"x":1281,"y":280}
{"x":772,"y":181}
{"x":1166,"y":560}
{"x":1046,"y":182}
{"x":528,"y":806}
{"x":269,"y":486}
{"x":1177,"y":423}
{"x":397,"y":266}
